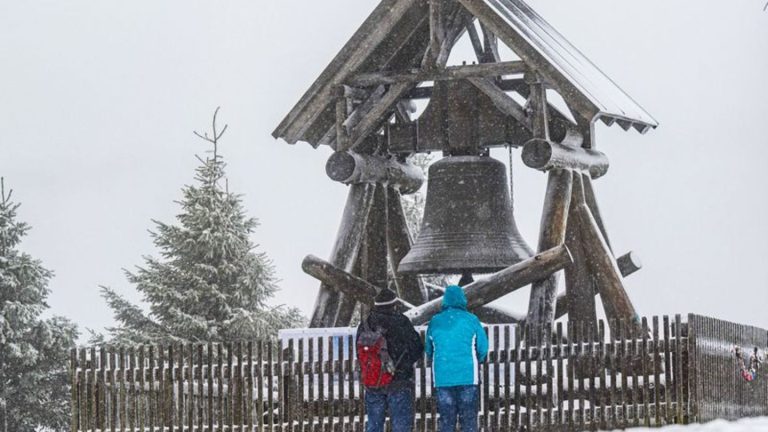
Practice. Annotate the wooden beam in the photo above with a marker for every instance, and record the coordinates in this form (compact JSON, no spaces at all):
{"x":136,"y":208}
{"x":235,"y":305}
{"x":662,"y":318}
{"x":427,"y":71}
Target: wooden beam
{"x":502,"y":101}
{"x":399,"y":242}
{"x":554,"y":220}
{"x":353,"y":287}
{"x":345,"y":250}
{"x":377,"y":115}
{"x":490,"y":46}
{"x":372,"y":256}
{"x":563,"y":299}
{"x":591,"y":200}
{"x":504,"y":85}
{"x":603,"y":267}
{"x":436,"y":30}
{"x":629,"y":263}
{"x":545,"y":155}
{"x":499,"y":284}
{"x":447,"y":74}
{"x":539,"y":106}
{"x":474,"y":38}
{"x":580,"y":290}
{"x":342,"y":137}
{"x":354,"y":168}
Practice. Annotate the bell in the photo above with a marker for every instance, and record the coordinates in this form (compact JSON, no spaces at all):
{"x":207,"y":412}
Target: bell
{"x":468,"y":225}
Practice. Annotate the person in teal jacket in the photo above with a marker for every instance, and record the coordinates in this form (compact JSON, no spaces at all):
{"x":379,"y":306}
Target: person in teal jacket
{"x":457,"y":343}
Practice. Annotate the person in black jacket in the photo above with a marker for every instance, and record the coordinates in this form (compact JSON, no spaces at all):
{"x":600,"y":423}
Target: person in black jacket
{"x":405,"y":347}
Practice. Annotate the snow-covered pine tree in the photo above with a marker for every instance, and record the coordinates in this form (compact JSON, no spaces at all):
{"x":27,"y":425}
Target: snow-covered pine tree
{"x":209,"y":284}
{"x":34,"y":380}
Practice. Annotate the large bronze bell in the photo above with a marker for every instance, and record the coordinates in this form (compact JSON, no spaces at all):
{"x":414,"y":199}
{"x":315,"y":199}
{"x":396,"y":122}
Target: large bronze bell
{"x":468,"y":225}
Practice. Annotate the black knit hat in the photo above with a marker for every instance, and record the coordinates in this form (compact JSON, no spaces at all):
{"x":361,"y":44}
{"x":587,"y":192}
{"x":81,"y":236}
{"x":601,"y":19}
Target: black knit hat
{"x":385,"y":297}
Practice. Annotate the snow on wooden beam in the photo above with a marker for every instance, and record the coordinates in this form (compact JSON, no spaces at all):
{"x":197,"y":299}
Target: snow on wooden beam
{"x":484,"y":291}
{"x":545,"y":155}
{"x":354,"y":168}
{"x":449,"y":73}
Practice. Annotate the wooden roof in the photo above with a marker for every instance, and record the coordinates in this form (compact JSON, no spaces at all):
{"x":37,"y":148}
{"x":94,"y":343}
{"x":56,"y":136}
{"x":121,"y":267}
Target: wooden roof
{"x":396,"y":36}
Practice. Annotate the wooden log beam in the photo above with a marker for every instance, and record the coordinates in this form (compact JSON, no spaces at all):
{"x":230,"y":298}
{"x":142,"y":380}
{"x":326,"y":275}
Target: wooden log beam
{"x":499,"y":284}
{"x":630,"y":266}
{"x":345,"y":250}
{"x":354,"y":287}
{"x":399,"y":241}
{"x":355,"y":168}
{"x":502,"y":101}
{"x":579,"y":285}
{"x":554,"y":220}
{"x":546,"y":155}
{"x":450,"y":73}
{"x":372,"y":257}
{"x":604,"y":270}
{"x":591,"y":200}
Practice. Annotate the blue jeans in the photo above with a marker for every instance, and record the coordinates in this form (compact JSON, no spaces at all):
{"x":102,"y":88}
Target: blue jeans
{"x":398,"y":399}
{"x":461,"y":402}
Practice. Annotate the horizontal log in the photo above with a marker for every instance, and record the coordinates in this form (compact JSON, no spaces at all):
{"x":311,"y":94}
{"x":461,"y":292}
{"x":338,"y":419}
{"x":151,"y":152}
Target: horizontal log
{"x":355,"y":168}
{"x":545,"y":155}
{"x":629,"y":263}
{"x":499,"y":284}
{"x":354,"y":287}
{"x":449,"y":73}
{"x":426,"y":91}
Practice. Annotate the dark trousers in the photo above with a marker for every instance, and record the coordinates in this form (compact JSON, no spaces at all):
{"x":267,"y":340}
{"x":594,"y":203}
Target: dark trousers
{"x":458,"y":402}
{"x":398,"y":400}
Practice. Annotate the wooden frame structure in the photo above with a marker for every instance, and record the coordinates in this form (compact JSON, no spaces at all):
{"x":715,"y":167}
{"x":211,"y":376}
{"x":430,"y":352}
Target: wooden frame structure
{"x":361,"y":106}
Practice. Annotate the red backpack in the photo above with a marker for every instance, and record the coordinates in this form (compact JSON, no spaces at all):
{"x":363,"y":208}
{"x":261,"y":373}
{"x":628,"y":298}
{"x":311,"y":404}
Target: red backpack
{"x":376,"y":366}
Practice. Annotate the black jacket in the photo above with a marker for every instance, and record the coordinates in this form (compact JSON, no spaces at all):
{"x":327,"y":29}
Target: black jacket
{"x":403,"y":342}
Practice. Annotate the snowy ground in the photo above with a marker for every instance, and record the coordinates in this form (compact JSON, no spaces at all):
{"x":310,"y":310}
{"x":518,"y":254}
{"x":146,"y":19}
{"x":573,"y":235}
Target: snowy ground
{"x":754,"y":424}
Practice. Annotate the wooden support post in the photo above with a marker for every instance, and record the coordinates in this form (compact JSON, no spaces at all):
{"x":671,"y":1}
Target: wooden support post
{"x":436,"y":30}
{"x":345,"y":250}
{"x":342,"y":137}
{"x":603,"y":267}
{"x":490,"y":46}
{"x":629,"y":263}
{"x":484,"y":291}
{"x":399,"y":241}
{"x":579,"y":287}
{"x":372,"y":254}
{"x":538,"y":102}
{"x":591,"y":200}
{"x":554,"y":220}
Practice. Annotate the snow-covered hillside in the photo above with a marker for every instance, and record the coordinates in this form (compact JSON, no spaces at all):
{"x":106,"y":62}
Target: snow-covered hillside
{"x":751,"y":425}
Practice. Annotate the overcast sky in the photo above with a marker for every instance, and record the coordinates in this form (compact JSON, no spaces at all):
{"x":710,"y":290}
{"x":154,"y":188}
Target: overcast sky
{"x":98,"y":101}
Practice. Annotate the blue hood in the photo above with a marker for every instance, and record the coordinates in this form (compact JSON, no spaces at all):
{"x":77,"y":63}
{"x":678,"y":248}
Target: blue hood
{"x":454,"y":298}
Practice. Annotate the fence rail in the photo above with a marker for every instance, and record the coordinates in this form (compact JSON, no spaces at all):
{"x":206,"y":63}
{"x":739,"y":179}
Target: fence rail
{"x":582,"y":378}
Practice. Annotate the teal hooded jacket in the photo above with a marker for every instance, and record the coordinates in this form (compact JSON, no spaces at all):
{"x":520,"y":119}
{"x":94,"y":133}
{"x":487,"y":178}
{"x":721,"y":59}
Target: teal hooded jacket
{"x":456,"y":341}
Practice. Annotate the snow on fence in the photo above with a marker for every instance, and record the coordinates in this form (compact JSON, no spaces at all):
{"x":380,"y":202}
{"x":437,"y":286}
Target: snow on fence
{"x":582,"y":378}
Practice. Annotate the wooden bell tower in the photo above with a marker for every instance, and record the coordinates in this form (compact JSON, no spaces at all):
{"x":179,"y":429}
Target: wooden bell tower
{"x":361,"y":106}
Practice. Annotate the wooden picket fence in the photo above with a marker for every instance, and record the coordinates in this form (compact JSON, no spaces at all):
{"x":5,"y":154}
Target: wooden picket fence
{"x":583,"y":378}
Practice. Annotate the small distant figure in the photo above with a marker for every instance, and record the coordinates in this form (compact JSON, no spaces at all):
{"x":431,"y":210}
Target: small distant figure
{"x":387,"y":348}
{"x":750,"y":373}
{"x":458,"y":343}
{"x":754,"y":363}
